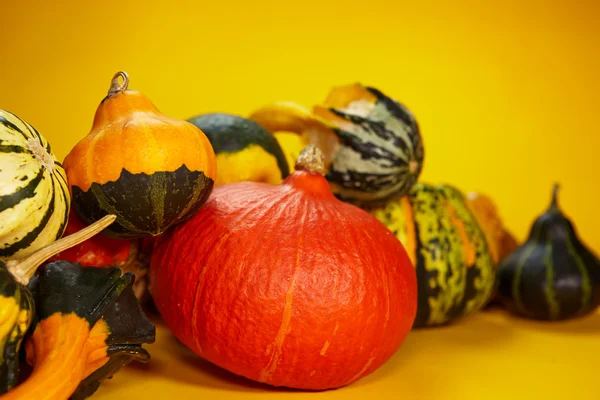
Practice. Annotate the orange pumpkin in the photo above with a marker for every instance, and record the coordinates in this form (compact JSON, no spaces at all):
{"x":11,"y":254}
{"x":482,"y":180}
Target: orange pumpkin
{"x":151,"y":170}
{"x":286,"y":284}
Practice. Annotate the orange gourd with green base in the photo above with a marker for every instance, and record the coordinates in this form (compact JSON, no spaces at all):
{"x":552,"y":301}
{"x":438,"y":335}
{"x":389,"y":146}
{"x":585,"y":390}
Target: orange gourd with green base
{"x":150,"y":170}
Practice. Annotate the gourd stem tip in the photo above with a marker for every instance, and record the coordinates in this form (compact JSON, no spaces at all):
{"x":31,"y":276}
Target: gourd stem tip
{"x":555,"y":190}
{"x":23,"y":270}
{"x":311,"y":159}
{"x":116,"y":86}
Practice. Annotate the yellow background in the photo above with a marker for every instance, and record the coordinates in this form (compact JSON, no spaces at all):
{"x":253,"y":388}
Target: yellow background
{"x":488,"y":356}
{"x":507,"y":96}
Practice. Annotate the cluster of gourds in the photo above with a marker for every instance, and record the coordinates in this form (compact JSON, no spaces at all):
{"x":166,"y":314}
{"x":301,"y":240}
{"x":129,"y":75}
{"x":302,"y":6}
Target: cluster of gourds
{"x":228,"y":269}
{"x":78,"y":325}
{"x":294,"y":247}
{"x":463,"y":254}
{"x":76,"y":319}
{"x":374,"y":156}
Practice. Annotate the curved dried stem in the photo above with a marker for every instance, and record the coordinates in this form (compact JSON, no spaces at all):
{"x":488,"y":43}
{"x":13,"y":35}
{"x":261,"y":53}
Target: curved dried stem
{"x":23,"y":270}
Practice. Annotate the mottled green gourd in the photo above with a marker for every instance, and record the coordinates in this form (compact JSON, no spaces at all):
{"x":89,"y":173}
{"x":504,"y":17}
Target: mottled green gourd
{"x":552,"y":276}
{"x":455,"y":269}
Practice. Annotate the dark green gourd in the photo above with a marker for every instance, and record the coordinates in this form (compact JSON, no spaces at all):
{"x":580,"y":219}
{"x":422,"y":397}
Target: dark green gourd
{"x":552,"y":276}
{"x":82,"y":323}
{"x":17,"y":302}
{"x":79,"y":301}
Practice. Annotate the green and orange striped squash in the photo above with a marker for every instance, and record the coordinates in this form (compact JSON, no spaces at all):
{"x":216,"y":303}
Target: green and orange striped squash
{"x":88,"y":325}
{"x":17,"y":303}
{"x":455,"y":268}
{"x":34,"y":194}
{"x":150,"y":170}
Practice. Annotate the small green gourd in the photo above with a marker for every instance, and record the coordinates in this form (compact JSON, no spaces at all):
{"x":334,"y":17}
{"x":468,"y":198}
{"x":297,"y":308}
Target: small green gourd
{"x":553,"y":275}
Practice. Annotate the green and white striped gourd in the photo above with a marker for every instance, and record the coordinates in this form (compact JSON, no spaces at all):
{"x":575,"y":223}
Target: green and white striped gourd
{"x":380,"y":152}
{"x":34,"y":195}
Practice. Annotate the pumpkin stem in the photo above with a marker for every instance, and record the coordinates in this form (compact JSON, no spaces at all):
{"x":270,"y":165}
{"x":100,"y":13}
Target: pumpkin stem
{"x":555,"y":189}
{"x":311,"y":159}
{"x":23,"y":270}
{"x":116,"y":86}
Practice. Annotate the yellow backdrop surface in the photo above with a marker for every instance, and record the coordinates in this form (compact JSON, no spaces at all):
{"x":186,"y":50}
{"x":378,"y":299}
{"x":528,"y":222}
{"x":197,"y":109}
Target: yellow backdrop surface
{"x":488,"y":356}
{"x":507,"y":94}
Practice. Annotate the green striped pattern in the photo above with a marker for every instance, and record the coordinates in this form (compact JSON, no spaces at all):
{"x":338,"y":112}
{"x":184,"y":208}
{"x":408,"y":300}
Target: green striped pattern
{"x":552,"y":276}
{"x":454,"y":265}
{"x":34,"y":195}
{"x":380,"y":152}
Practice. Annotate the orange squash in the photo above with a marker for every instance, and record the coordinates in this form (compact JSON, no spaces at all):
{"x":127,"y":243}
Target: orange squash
{"x":500,"y":240}
{"x":286,"y":284}
{"x":151,"y":170}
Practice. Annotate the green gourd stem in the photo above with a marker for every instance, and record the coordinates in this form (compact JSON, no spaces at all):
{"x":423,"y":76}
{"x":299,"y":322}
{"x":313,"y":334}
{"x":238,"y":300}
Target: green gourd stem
{"x":554,"y":203}
{"x":311,"y":159}
{"x":23,"y":270}
{"x":116,"y":86}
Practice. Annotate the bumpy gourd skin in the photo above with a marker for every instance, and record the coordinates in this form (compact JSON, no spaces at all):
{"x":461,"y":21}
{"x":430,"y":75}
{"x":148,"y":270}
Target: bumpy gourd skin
{"x":552,"y":276}
{"x":16,"y":306}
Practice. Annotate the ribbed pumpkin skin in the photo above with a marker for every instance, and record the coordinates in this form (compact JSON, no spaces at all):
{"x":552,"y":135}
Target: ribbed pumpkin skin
{"x":380,"y":153}
{"x":34,"y":194}
{"x":455,"y":269}
{"x":285,"y":285}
